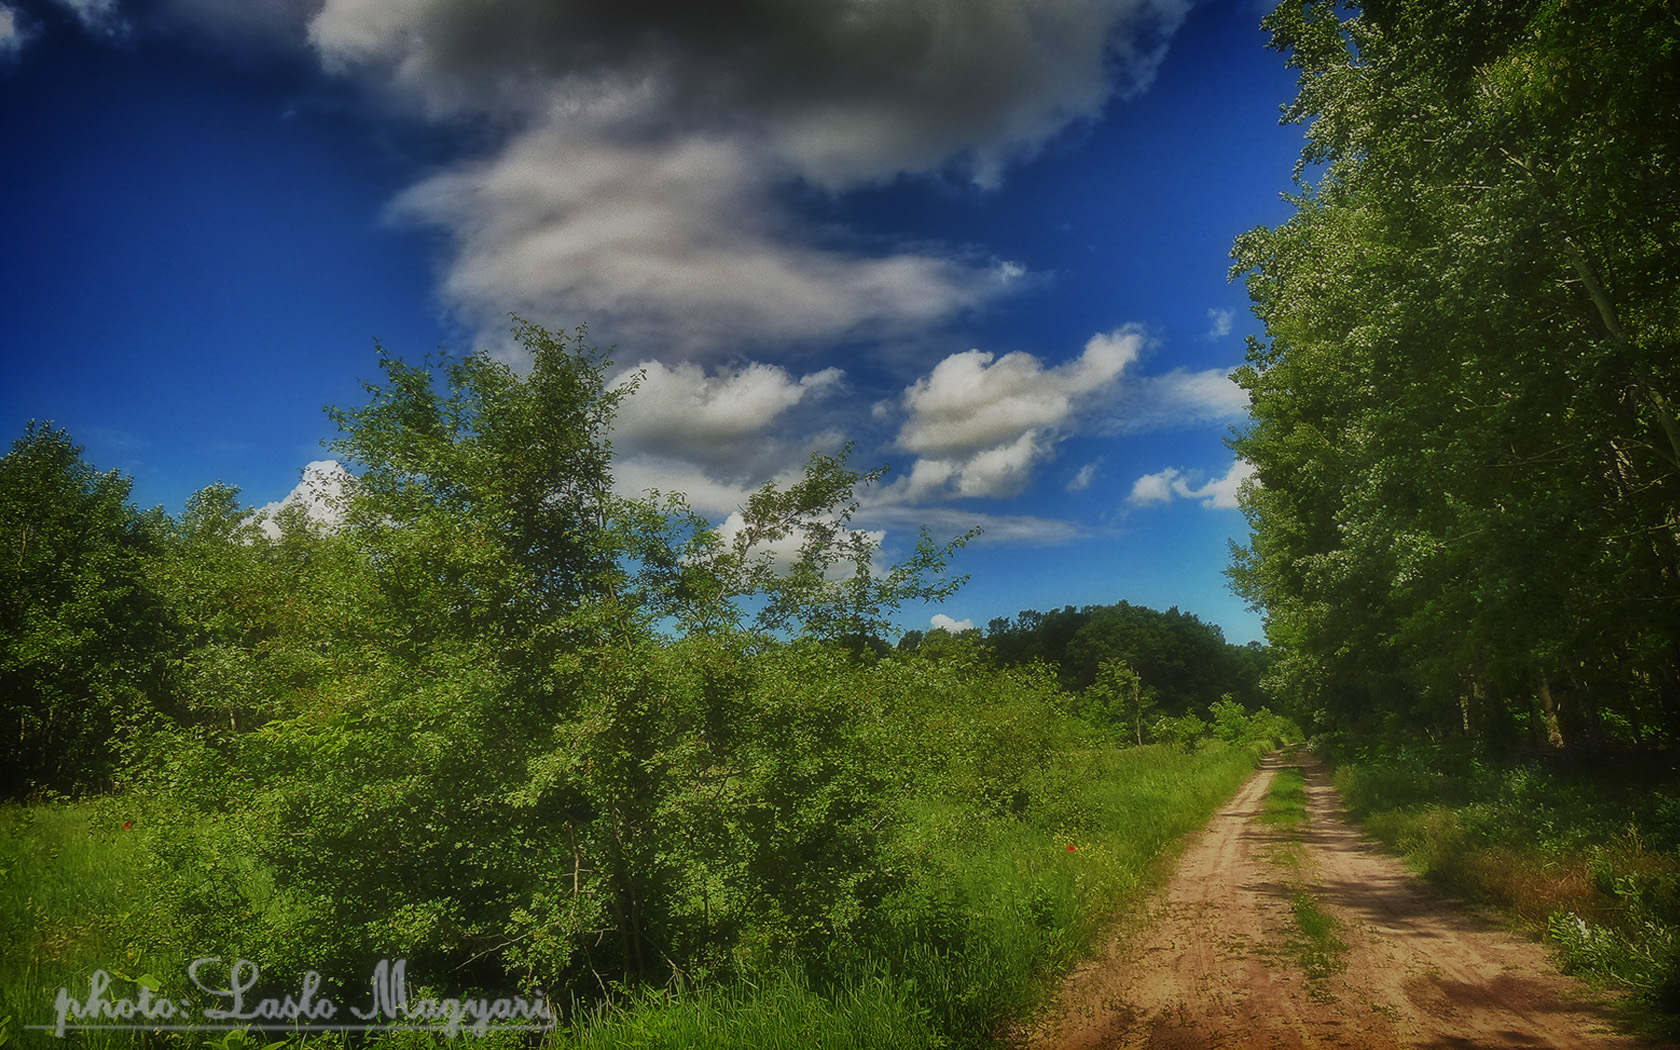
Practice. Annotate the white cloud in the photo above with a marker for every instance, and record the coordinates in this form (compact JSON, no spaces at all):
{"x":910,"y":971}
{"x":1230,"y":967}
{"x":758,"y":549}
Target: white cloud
{"x":782,"y":553}
{"x":1176,"y":399}
{"x":1082,"y":480}
{"x":941,"y":622}
{"x":673,"y":242}
{"x":714,"y":435}
{"x":13,"y":35}
{"x":947,"y":522}
{"x":683,"y":405}
{"x":321,"y":493}
{"x":972,"y":401}
{"x":1219,"y":323}
{"x":982,"y":423}
{"x":644,"y":149}
{"x":636,"y":473}
{"x":1172,"y":483}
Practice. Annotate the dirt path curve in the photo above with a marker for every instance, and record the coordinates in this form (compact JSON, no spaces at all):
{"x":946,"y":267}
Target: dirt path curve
{"x":1211,"y":964}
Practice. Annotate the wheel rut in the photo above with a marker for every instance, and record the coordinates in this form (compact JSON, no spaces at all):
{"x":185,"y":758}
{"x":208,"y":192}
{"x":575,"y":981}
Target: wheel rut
{"x":1215,"y":960}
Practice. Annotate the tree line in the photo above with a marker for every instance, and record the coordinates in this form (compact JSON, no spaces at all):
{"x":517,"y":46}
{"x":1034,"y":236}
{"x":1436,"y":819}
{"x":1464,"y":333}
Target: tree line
{"x":1466,"y":521}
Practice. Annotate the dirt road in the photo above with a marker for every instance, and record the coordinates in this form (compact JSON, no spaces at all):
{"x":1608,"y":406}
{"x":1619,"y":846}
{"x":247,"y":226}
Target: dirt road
{"x":1220,"y":959}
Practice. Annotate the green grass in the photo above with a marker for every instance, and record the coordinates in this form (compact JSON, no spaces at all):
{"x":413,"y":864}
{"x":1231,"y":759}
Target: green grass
{"x":998,"y":907}
{"x":73,"y":899}
{"x":1316,"y":947}
{"x":1286,"y":800}
{"x":1313,"y":942}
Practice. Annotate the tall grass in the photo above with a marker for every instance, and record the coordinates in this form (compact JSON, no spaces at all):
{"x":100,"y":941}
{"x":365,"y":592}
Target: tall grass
{"x":1584,"y":853}
{"x":979,"y":939}
{"x":998,"y":904}
{"x":75,"y":897}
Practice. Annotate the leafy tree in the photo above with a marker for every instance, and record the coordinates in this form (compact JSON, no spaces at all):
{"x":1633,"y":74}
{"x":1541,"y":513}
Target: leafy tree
{"x":1465,"y":447}
{"x":85,"y":639}
{"x":1187,"y":661}
{"x":1118,"y":698}
{"x":479,"y":742}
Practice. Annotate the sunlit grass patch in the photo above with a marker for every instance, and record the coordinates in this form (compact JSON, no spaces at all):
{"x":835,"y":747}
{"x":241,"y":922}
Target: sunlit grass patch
{"x":1316,"y":947}
{"x":75,"y":897}
{"x":1286,"y":801}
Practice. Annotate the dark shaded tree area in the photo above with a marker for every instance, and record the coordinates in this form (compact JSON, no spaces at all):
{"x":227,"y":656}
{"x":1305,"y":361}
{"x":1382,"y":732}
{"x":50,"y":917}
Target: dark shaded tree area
{"x":1467,"y":516}
{"x":1187,"y":664}
{"x":86,"y":634}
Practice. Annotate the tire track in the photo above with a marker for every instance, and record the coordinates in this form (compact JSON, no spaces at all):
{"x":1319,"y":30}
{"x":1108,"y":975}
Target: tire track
{"x":1208,"y":967}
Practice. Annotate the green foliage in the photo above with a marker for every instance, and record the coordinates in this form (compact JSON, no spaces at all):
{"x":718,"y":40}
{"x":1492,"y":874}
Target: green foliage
{"x":519,"y":730}
{"x":1463,"y":429}
{"x":85,"y":638}
{"x":447,"y":727}
{"x":1183,"y":731}
{"x":1117,"y":698}
{"x":983,"y":904}
{"x":1187,"y":662}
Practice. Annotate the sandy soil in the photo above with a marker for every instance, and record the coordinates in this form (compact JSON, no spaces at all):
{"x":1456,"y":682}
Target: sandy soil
{"x":1209,"y":964}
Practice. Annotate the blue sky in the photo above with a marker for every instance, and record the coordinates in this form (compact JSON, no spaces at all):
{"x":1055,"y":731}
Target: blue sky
{"x":986,"y":240}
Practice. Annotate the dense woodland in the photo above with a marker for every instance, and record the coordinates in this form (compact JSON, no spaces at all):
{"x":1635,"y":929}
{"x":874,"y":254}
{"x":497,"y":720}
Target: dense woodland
{"x":1467,"y":516}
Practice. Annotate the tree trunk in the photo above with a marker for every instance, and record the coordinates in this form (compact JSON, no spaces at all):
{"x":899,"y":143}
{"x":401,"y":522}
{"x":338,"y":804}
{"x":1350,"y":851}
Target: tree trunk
{"x":1548,"y":711}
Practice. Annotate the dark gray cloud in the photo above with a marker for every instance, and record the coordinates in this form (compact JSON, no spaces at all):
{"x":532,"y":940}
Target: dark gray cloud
{"x":846,"y":91}
{"x":644,"y":146}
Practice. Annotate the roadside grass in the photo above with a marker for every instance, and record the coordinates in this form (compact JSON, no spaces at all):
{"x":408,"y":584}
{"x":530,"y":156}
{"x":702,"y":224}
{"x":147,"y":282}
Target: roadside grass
{"x":1583,"y":853}
{"x":1000,"y":906}
{"x":982,"y":937}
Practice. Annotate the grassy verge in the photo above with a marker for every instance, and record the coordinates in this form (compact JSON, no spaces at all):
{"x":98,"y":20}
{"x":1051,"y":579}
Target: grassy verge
{"x":1286,"y":800}
{"x":999,"y":906}
{"x":1586,"y":854}
{"x":990,"y":927}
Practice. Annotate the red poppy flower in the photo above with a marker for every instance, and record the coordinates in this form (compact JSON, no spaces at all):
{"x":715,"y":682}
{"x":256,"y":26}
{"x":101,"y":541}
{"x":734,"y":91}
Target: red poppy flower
{"x":1070,"y":847}
{"x":129,"y":824}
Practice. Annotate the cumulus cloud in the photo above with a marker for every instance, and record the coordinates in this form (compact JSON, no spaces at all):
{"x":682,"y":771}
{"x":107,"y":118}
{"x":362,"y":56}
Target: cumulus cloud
{"x":685,"y":404}
{"x":941,"y":622}
{"x":980,"y":423}
{"x":1219,"y":323}
{"x":637,"y":473}
{"x":672,"y":242}
{"x":714,"y":434}
{"x":1170,"y":484}
{"x":321,"y":493}
{"x":784,"y":552}
{"x":644,"y":147}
